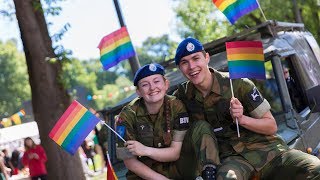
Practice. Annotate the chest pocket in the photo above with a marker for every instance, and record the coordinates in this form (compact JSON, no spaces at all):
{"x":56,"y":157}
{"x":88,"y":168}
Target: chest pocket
{"x":145,"y":133}
{"x":219,"y":116}
{"x":195,"y":109}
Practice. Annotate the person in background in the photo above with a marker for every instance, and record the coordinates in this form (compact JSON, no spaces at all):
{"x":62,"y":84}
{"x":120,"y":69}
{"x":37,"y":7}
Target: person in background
{"x":4,"y":170}
{"x":295,"y":93}
{"x":16,"y":161}
{"x":7,"y":161}
{"x":88,"y":149}
{"x":35,"y":158}
{"x":258,"y":151}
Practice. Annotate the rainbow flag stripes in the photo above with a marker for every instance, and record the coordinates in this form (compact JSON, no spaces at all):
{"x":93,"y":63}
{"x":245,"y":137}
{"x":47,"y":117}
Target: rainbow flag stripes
{"x":245,"y":59}
{"x":73,"y":127}
{"x":234,"y":9}
{"x":115,"y":47}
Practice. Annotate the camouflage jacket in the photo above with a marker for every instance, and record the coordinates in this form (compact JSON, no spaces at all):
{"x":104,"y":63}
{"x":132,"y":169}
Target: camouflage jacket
{"x":151,"y":130}
{"x":258,"y":149}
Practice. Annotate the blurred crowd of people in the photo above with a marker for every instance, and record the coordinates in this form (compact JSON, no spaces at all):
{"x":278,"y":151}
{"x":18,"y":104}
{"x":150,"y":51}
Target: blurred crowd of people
{"x":25,"y":161}
{"x":91,"y":155}
{"x":25,"y":158}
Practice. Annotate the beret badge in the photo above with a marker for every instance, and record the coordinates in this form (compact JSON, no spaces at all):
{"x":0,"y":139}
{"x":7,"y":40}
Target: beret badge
{"x":152,"y":67}
{"x":190,"y":47}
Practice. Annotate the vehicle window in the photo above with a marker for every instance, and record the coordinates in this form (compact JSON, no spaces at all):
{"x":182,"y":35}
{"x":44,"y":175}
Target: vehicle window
{"x":295,"y":89}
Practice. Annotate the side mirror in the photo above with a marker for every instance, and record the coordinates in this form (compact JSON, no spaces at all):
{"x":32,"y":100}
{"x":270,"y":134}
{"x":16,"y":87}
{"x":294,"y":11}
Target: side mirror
{"x":314,"y":98}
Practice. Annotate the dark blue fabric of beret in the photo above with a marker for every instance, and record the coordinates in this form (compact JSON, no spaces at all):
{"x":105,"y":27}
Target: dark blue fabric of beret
{"x":187,"y":47}
{"x":147,"y":70}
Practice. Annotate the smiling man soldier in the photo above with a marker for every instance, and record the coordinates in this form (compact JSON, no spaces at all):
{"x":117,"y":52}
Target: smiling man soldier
{"x":207,"y":97}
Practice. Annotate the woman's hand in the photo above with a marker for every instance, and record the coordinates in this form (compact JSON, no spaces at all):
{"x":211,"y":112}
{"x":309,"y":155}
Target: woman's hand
{"x":137,"y":149}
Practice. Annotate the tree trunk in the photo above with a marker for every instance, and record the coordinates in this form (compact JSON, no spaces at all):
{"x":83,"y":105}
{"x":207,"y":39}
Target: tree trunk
{"x":49,"y":99}
{"x":296,"y":11}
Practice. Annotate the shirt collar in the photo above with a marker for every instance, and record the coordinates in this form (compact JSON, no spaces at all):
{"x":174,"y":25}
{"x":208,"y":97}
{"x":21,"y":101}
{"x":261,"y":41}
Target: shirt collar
{"x":142,"y":109}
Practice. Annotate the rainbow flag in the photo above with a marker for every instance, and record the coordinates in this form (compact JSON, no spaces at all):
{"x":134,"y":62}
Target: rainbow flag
{"x":115,"y":47}
{"x":73,"y":127}
{"x":234,"y":9}
{"x":245,"y":59}
{"x":111,"y":175}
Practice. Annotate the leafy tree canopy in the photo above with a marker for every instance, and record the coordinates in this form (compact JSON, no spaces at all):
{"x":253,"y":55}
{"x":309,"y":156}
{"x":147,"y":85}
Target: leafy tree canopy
{"x":15,"y":88}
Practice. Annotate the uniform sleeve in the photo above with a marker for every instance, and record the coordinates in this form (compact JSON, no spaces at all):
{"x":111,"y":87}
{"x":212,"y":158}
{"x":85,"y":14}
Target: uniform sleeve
{"x":253,"y":101}
{"x":126,"y":130}
{"x":181,"y":121}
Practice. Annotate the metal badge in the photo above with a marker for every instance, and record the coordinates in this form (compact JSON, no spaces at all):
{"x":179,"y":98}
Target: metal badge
{"x":190,"y":47}
{"x":152,"y":67}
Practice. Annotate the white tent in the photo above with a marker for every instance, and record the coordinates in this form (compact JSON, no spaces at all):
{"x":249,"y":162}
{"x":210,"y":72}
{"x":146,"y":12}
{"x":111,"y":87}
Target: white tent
{"x":18,"y":132}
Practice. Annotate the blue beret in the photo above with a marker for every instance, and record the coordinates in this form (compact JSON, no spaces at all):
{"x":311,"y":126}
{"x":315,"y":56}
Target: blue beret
{"x":187,"y":47}
{"x":147,"y":70}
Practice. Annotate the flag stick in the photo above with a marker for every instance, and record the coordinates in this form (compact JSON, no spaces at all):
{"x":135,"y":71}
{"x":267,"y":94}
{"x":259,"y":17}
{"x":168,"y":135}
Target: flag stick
{"x":261,"y":11}
{"x":102,"y":122}
{"x":236,"y":117}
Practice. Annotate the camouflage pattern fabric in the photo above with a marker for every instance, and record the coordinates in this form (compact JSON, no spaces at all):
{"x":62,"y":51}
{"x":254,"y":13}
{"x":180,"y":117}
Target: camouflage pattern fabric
{"x":292,"y":165}
{"x":257,"y":149}
{"x":199,"y":147}
{"x":235,"y":167}
{"x":150,"y":130}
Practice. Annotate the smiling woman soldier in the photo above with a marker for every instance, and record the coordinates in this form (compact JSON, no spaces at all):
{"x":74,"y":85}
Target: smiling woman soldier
{"x":154,"y":125}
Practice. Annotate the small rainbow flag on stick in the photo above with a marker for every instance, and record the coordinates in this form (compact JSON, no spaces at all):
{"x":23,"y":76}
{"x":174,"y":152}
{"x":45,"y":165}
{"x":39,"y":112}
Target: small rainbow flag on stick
{"x":115,"y":47}
{"x":234,"y":9}
{"x":245,"y":59}
{"x":73,"y":127}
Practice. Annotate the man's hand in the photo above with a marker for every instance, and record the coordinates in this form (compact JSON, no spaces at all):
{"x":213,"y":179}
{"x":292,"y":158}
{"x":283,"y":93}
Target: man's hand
{"x":136,"y":148}
{"x":236,"y":109}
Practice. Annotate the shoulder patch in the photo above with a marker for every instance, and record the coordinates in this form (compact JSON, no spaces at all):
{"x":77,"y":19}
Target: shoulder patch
{"x":255,"y":95}
{"x":182,"y":122}
{"x":121,"y":130}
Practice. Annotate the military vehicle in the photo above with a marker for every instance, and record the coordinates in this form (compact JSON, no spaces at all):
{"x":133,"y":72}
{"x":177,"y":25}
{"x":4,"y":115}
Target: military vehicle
{"x":287,"y":46}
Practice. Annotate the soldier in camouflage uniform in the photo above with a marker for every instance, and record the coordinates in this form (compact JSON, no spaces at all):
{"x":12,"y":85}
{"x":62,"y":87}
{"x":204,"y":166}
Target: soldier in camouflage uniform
{"x":258,"y":151}
{"x":153,"y":125}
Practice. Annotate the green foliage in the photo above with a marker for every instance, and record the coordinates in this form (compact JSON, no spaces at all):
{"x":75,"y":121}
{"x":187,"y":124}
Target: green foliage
{"x":103,"y":77}
{"x":14,"y":79}
{"x":107,"y":87}
{"x":74,"y":74}
{"x":156,"y":49}
{"x":111,"y":94}
{"x":199,"y":19}
{"x":311,"y":16}
{"x":272,"y":11}
{"x":202,"y":20}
